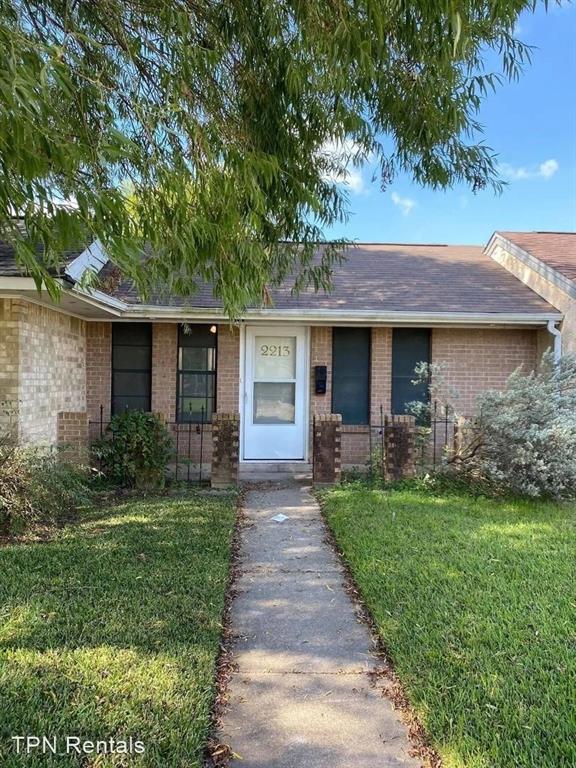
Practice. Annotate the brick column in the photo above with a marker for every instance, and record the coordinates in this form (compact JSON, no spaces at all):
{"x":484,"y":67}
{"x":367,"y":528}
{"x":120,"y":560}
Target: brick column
{"x":164,"y":367}
{"x":98,"y":370}
{"x":399,"y":446}
{"x":327,"y":446}
{"x":72,"y":436}
{"x":225,"y":449}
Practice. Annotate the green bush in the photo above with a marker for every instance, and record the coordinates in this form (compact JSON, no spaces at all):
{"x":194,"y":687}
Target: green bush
{"x":135,"y":450}
{"x":522,"y":441}
{"x":37,"y":488}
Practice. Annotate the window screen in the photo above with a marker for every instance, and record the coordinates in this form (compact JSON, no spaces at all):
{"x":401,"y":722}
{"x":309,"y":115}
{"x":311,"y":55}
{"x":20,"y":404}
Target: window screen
{"x":351,"y":374}
{"x":410,"y":346}
{"x":131,"y":366}
{"x":196,"y":397}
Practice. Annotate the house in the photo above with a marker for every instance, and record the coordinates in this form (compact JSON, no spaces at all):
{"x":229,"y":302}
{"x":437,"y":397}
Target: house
{"x":481,"y":311}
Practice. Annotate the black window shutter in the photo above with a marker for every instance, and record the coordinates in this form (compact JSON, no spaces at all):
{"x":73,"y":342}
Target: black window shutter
{"x":410,"y":346}
{"x":351,"y":374}
{"x":131,"y":367}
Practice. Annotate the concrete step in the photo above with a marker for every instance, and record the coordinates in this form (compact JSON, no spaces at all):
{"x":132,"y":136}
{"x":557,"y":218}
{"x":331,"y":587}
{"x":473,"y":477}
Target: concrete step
{"x":275,"y":470}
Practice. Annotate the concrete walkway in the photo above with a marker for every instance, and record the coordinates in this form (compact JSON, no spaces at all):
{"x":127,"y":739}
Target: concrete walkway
{"x":302,"y":696}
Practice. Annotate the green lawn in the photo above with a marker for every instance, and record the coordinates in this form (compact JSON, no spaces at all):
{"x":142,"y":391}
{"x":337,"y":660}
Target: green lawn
{"x":112,"y":630}
{"x":476,"y":602}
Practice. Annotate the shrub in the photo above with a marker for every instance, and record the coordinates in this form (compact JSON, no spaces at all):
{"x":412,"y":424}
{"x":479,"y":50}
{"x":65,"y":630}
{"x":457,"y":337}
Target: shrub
{"x":523,"y":440}
{"x":135,"y":451}
{"x":36,"y":487}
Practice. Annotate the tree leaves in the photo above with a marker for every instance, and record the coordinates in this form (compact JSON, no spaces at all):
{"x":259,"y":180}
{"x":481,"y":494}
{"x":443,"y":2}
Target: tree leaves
{"x":198,"y":128}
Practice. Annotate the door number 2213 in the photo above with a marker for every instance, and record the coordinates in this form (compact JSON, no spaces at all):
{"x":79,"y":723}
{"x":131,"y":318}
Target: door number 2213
{"x":275,"y":350}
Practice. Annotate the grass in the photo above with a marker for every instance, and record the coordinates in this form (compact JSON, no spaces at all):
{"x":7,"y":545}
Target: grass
{"x":112,"y":630}
{"x":476,"y":601}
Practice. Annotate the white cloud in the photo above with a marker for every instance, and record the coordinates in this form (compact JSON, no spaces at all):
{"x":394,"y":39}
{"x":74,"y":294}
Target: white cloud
{"x":349,"y":158}
{"x":548,"y":168}
{"x":406,"y":204}
{"x":545,"y":170}
{"x":355,"y":181}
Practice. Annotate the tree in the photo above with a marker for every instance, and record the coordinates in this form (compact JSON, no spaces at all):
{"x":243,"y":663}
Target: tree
{"x":217,"y":130}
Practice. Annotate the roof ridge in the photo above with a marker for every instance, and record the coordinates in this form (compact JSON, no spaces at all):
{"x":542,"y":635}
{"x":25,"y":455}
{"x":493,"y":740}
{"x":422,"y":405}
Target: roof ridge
{"x":420,"y":245}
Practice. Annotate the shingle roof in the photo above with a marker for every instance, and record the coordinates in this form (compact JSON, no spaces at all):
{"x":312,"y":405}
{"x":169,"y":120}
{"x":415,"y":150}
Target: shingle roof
{"x":556,"y":249}
{"x":394,"y":277}
{"x":10,"y":268}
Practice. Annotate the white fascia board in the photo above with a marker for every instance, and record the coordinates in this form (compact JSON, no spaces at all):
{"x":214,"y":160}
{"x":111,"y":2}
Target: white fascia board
{"x":100,"y":299}
{"x":17,"y":284}
{"x":370,"y":317}
{"x":330,"y":316}
{"x":542,"y":269}
{"x":318,"y":316}
{"x":91,"y":259}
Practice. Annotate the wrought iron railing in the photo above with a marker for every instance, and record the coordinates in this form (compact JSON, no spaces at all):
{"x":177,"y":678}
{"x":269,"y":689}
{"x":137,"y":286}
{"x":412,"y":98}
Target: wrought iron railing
{"x":191,"y":447}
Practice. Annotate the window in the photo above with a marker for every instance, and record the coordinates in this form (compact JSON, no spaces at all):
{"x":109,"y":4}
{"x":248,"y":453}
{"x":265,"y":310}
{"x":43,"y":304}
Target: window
{"x":196,"y":398}
{"x":351,"y":374}
{"x":410,"y":346}
{"x":131,"y":366}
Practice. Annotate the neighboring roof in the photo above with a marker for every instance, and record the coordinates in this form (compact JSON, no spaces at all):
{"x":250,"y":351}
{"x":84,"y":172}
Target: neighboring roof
{"x":390,"y":277}
{"x":556,"y":249}
{"x":10,"y":268}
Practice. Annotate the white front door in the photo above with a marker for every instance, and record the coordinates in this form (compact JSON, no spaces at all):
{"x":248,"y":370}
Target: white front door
{"x":275,"y":387}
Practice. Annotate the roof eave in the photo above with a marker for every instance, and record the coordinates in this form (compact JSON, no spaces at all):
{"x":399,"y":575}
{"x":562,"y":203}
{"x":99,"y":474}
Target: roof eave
{"x":111,"y":308}
{"x":525,"y":257}
{"x":128,"y":311}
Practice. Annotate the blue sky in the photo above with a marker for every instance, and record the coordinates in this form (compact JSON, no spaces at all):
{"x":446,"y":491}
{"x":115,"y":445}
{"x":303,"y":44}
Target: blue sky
{"x":530,"y":124}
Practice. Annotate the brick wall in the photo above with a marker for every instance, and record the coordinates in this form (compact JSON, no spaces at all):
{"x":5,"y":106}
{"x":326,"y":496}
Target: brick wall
{"x":477,"y":359}
{"x":98,"y":370}
{"x":42,"y":366}
{"x":321,"y":354}
{"x":355,"y":439}
{"x":355,"y":445}
{"x":481,"y":359}
{"x":228,"y":369}
{"x":9,"y":358}
{"x":72,"y":435}
{"x":381,"y":371}
{"x":164,"y":367}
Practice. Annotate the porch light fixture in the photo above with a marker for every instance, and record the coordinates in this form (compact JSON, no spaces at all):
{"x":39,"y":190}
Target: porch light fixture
{"x":213,"y":329}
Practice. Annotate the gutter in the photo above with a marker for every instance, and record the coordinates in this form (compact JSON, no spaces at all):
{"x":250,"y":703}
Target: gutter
{"x":127,"y":311}
{"x":556,"y":333}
